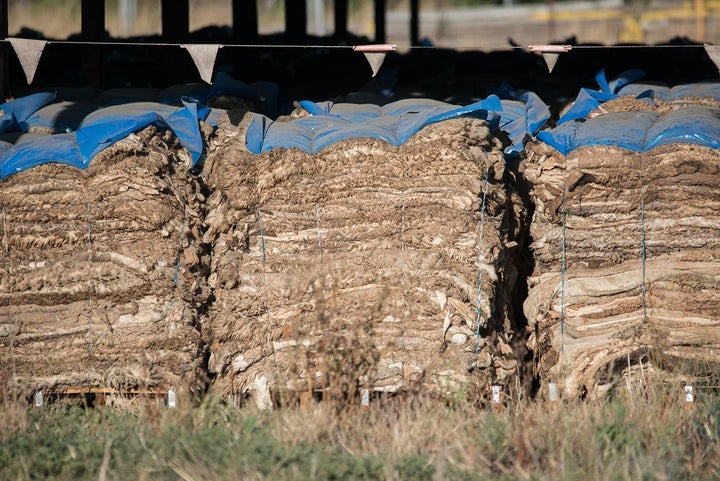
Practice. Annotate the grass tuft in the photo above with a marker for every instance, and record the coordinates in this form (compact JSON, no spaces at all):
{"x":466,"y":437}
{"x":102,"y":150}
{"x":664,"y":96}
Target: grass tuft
{"x":651,"y":437}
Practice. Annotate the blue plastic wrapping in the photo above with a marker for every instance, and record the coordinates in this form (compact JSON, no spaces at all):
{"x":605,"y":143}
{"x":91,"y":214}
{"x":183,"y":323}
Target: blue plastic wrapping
{"x":60,"y":148}
{"x":104,"y":127}
{"x":620,"y":129}
{"x":60,"y":116}
{"x":588,"y":100}
{"x":4,"y":146}
{"x":119,"y":96}
{"x":639,"y":131}
{"x":17,"y":111}
{"x":698,"y":125}
{"x":561,"y":138}
{"x":613,"y":86}
{"x":709,"y":89}
{"x":523,"y":114}
{"x":98,"y":128}
{"x":518,"y":118}
{"x":330,"y":123}
{"x":174,"y":95}
{"x":522,"y":119}
{"x":537,"y":111}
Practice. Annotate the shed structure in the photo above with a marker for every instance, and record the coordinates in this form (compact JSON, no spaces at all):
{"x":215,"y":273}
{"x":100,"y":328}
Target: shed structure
{"x":176,"y":28}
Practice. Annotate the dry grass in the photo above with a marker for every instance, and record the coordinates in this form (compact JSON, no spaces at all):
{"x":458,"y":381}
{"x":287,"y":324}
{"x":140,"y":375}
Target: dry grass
{"x":648,"y":436}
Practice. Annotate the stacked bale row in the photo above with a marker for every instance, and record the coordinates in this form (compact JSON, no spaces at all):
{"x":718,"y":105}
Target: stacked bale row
{"x":638,"y":297}
{"x":357,"y":267}
{"x":100,"y":273}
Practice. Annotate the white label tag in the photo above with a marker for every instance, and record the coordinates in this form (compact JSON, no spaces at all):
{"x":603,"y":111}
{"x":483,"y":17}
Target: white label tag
{"x":38,"y":399}
{"x":689,"y":396}
{"x":496,"y":394}
{"x":365,"y":397}
{"x":171,"y":398}
{"x":553,"y":391}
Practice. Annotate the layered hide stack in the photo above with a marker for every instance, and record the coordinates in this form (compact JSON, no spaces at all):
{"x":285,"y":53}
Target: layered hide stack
{"x":638,"y":299}
{"x":100,"y":273}
{"x":357,"y":267}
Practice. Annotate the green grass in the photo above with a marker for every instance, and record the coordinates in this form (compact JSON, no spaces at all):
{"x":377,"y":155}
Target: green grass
{"x":653,"y":437}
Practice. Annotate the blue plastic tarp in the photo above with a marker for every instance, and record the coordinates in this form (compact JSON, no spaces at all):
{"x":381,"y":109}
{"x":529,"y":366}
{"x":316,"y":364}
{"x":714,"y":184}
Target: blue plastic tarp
{"x":60,"y":148}
{"x":104,"y":127}
{"x":60,"y":116}
{"x":330,"y":123}
{"x":588,"y":100}
{"x":638,"y":131}
{"x":15,"y":112}
{"x":4,"y":146}
{"x":99,"y":130}
{"x":523,"y":115}
{"x":698,"y":125}
{"x":709,"y":89}
{"x":119,"y":96}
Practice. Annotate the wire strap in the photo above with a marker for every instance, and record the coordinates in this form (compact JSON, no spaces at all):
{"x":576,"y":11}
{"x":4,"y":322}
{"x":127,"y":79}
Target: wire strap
{"x":563,"y":266}
{"x":89,"y":224}
{"x":643,"y":252}
{"x":262,"y":236}
{"x":317,"y":215}
{"x":481,"y":260}
{"x":7,"y":241}
{"x":266,"y":46}
{"x":402,"y":232}
{"x":404,"y":266}
{"x":176,"y":277}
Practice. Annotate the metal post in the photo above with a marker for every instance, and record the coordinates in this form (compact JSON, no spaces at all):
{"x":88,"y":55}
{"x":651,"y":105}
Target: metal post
{"x":415,"y":22}
{"x":93,"y":30}
{"x":380,"y":7}
{"x":4,"y":25}
{"x":341,"y":18}
{"x":245,"y":20}
{"x":175,"y":20}
{"x":296,"y":19}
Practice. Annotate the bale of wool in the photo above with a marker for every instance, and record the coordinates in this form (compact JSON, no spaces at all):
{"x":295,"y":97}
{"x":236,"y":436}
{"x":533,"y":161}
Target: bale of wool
{"x":638,"y":297}
{"x":100,"y":272}
{"x":358,"y":267}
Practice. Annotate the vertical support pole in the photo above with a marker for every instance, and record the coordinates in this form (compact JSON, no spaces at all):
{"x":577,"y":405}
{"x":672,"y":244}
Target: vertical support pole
{"x":245,"y":21}
{"x":643,"y":253}
{"x":481,"y":260}
{"x":262,"y":236}
{"x":4,"y":27}
{"x":380,"y":7}
{"x":175,"y":20}
{"x":5,"y":238}
{"x":317,"y":215}
{"x":563,"y":267}
{"x":341,"y":18}
{"x":700,"y":12}
{"x":93,"y":30}
{"x":414,"y":22}
{"x":296,"y":19}
{"x":93,"y":19}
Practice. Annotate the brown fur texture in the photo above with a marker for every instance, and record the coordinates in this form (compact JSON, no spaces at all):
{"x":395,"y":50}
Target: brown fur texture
{"x":370,"y":266}
{"x":87,"y":267}
{"x":610,"y":336}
